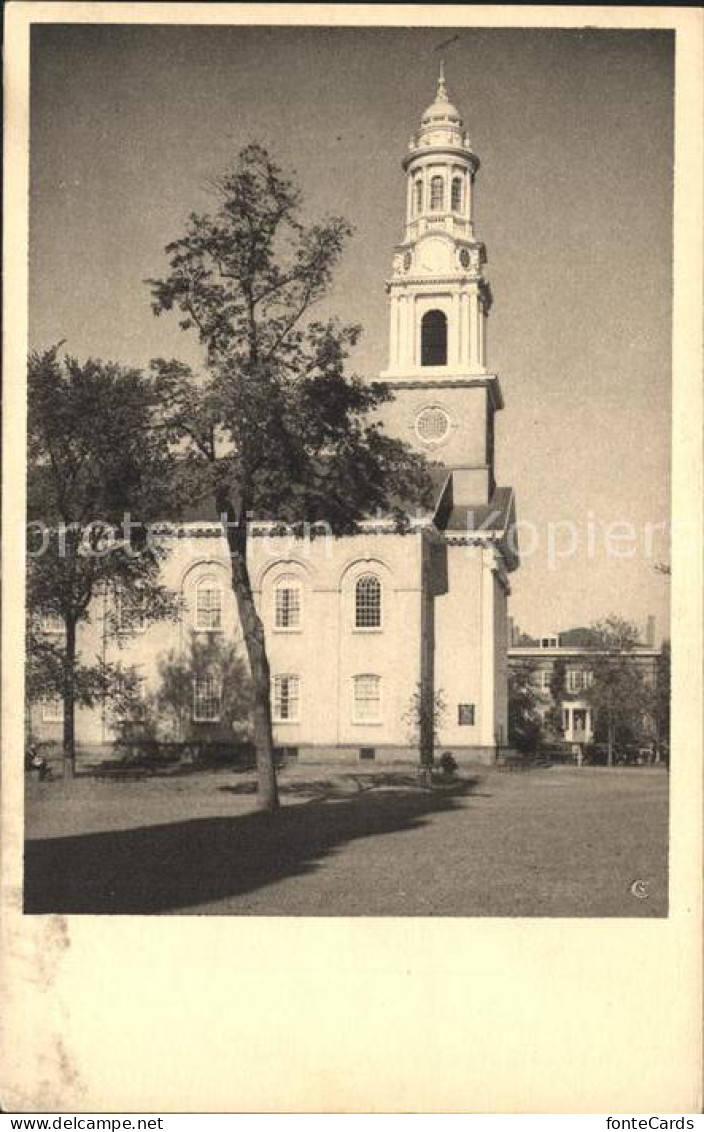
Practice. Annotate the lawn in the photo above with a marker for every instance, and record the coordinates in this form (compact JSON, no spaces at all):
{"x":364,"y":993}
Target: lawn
{"x":561,"y":841}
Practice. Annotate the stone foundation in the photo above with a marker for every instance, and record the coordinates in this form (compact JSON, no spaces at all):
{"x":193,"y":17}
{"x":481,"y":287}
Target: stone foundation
{"x":387,"y":754}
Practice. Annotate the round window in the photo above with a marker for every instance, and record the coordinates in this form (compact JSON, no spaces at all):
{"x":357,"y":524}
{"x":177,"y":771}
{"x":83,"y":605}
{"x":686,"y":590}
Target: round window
{"x":432,"y":424}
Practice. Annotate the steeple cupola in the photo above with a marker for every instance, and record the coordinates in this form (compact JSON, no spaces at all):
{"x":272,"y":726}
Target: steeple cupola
{"x":440,"y":166}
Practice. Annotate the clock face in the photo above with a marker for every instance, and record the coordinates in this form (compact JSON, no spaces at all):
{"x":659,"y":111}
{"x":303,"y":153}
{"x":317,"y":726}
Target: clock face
{"x":465,"y":258}
{"x":436,"y":256}
{"x":407,"y":261}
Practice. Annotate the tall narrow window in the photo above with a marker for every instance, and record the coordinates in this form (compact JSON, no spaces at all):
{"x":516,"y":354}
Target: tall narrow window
{"x":576,"y":680}
{"x":287,"y":698}
{"x":206,"y":699}
{"x":433,"y":339}
{"x":367,"y":699}
{"x":208,"y":605}
{"x":456,"y":194}
{"x":419,"y":196}
{"x":287,"y":603}
{"x":437,"y":193}
{"x":367,"y":602}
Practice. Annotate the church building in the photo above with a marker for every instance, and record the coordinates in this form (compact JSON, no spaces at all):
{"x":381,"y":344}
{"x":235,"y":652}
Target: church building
{"x":356,"y":626}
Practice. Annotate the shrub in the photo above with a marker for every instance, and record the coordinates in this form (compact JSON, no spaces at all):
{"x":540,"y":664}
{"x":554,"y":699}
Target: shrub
{"x":448,"y":764}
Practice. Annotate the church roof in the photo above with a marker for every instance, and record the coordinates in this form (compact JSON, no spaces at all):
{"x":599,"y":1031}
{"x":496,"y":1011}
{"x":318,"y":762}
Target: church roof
{"x":492,"y":516}
{"x":495,"y":520}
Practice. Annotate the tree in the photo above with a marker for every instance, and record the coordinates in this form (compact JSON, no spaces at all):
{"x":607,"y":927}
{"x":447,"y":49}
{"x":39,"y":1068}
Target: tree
{"x":425,"y":715}
{"x":524,"y":720}
{"x":94,"y":459}
{"x":168,"y":710}
{"x":663,"y":694}
{"x":273,"y":427}
{"x":618,"y":692}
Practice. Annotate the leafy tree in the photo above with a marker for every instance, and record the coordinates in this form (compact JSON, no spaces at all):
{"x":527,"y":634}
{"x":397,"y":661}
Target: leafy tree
{"x":524,"y":720}
{"x":521,"y":639}
{"x":273,"y":427}
{"x":168,"y":709}
{"x":618,"y":692}
{"x":663,"y":692}
{"x":94,"y":457}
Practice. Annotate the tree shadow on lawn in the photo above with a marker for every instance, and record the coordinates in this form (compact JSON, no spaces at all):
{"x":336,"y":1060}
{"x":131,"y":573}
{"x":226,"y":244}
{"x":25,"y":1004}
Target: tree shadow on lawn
{"x":162,"y":868}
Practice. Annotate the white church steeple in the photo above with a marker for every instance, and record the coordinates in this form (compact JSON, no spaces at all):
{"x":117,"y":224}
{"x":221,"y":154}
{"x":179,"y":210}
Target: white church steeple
{"x":439,"y":298}
{"x":445,"y":398}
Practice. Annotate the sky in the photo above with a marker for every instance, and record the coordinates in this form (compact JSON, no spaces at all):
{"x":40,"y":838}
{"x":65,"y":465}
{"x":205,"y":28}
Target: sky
{"x":574,"y":130}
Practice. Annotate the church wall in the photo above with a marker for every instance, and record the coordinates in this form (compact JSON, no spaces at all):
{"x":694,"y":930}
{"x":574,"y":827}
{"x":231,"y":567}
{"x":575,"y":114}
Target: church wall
{"x":470,"y":660}
{"x":458,"y":635}
{"x":329,"y":652}
{"x":326,"y":653}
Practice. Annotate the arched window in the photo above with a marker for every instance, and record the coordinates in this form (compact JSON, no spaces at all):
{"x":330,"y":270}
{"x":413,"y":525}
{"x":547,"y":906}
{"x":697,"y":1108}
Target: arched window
{"x":366,"y":705}
{"x":367,"y":602}
{"x":437,"y":193}
{"x":419,"y":195}
{"x":208,"y":616}
{"x":287,"y":602}
{"x":456,"y":194}
{"x":433,"y":339}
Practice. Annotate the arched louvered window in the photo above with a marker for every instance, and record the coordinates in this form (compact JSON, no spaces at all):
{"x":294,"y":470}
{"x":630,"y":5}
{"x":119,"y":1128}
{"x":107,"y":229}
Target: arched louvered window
{"x":437,"y":193}
{"x":367,"y":602}
{"x":456,"y":194}
{"x":433,"y":339}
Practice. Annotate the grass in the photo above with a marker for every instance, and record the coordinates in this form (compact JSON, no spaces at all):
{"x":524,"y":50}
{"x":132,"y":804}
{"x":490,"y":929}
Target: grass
{"x":553,"y":842}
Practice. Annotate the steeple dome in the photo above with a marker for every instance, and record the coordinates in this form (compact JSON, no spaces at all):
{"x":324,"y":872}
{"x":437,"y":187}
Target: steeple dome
{"x":441,"y":127}
{"x":442,"y":109}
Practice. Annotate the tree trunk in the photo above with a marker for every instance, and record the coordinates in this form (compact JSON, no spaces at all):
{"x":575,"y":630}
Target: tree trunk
{"x":69,"y":698}
{"x":253,"y":632}
{"x":427,"y":730}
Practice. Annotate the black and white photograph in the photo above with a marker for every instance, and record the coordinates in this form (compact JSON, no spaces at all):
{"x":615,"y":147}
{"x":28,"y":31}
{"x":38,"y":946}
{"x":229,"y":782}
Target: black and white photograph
{"x":348,"y":548}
